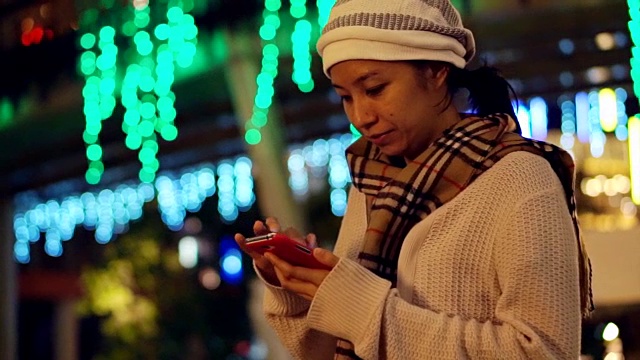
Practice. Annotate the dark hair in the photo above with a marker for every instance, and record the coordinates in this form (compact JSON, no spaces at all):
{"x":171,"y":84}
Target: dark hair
{"x":489,"y":92}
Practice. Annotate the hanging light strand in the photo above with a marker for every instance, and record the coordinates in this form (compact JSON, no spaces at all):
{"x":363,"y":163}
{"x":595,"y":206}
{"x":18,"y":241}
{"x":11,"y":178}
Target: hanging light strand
{"x":268,"y":72}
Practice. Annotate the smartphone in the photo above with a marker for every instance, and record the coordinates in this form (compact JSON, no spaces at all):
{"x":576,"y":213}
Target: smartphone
{"x":285,"y":248}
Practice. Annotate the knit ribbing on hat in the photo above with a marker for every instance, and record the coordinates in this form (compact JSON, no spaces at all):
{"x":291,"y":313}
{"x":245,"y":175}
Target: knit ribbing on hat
{"x":396,"y":18}
{"x":364,"y":43}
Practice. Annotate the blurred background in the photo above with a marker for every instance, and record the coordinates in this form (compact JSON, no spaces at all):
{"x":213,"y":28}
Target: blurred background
{"x":137,"y":136}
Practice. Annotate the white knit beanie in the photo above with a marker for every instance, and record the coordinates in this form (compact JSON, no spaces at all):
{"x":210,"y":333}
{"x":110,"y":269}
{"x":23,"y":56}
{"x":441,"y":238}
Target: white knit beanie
{"x":395,"y":30}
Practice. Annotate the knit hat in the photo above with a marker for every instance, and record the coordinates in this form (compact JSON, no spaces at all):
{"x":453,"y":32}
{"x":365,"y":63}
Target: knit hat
{"x":395,"y":30}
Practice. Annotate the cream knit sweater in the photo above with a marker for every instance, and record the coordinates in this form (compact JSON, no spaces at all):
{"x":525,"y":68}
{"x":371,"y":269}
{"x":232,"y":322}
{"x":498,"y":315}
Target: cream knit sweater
{"x":493,"y":274}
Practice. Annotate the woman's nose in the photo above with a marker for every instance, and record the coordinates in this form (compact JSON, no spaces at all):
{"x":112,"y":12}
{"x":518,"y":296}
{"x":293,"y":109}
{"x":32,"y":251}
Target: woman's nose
{"x":363,"y":116}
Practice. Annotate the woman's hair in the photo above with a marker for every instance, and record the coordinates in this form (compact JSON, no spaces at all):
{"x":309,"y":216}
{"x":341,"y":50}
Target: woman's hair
{"x":489,"y":92}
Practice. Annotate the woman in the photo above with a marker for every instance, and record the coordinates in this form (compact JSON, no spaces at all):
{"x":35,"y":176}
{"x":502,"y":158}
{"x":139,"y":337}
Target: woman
{"x":460,"y":238}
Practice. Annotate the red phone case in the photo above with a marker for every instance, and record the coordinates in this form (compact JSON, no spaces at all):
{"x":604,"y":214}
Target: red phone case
{"x":285,"y":248}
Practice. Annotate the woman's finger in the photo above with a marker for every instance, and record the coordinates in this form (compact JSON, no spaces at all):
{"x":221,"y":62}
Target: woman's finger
{"x":261,"y":262}
{"x":311,"y":240}
{"x":303,"y":288}
{"x":294,"y":234}
{"x":240,"y":240}
{"x":272,"y":224}
{"x":290,"y":272}
{"x":259,"y":228}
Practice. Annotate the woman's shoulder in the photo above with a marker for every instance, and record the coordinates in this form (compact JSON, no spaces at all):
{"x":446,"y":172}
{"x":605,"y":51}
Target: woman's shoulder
{"x":522,"y":171}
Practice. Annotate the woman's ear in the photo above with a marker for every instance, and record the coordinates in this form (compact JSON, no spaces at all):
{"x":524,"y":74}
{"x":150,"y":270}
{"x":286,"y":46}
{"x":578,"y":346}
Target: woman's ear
{"x":435,"y":75}
{"x":439,"y":76}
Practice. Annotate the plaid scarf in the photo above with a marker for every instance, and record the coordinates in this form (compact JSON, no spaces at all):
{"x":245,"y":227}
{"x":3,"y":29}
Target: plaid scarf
{"x":404,"y":194}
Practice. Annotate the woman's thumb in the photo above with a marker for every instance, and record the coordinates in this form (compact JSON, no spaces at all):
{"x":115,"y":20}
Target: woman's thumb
{"x":326,"y":257}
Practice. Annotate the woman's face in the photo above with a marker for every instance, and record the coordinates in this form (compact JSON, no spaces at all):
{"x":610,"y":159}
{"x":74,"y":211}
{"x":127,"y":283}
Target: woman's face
{"x":392,"y":104}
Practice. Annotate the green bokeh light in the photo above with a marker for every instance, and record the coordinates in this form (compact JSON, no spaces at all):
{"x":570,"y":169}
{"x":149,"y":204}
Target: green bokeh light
{"x":151,"y":144}
{"x":152,"y":166}
{"x":133,"y":140}
{"x":273,"y":20}
{"x":93,"y":128}
{"x":141,"y":37}
{"x":145,"y":48}
{"x":131,"y":117}
{"x":141,"y":21}
{"x":145,"y":89}
{"x":94,"y":152}
{"x":264,"y":80}
{"x":168,"y":115}
{"x":87,"y":41}
{"x":270,"y":50}
{"x":89,"y":138}
{"x":107,"y":86}
{"x":190,"y":31}
{"x":146,"y":176}
{"x":146,"y":127}
{"x":188,"y":5}
{"x":129,"y":28}
{"x":253,"y":137}
{"x":146,"y":155}
{"x":164,"y":103}
{"x":6,"y":112}
{"x":92,"y":176}
{"x":298,"y":11}
{"x":97,"y":165}
{"x":108,"y":4}
{"x":162,"y":32}
{"x":174,"y":14}
{"x":147,"y":83}
{"x":273,"y":5}
{"x":107,"y":33}
{"x":307,"y":86}
{"x":259,"y":119}
{"x":267,"y":32}
{"x":89,"y":17}
{"x":169,"y":132}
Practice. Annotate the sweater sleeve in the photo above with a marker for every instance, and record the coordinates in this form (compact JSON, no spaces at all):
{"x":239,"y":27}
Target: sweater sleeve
{"x":286,"y":312}
{"x":537,"y":315}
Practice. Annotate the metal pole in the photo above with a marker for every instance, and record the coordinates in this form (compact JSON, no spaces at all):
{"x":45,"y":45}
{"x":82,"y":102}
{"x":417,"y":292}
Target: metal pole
{"x":269,"y":167}
{"x":66,"y":327}
{"x":270,"y":171}
{"x":8,"y":297}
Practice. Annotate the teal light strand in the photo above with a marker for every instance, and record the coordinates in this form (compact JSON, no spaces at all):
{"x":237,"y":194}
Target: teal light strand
{"x":268,"y":72}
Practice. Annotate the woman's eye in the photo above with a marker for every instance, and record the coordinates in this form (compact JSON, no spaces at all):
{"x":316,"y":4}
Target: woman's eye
{"x":345,"y":98}
{"x":375,"y":90}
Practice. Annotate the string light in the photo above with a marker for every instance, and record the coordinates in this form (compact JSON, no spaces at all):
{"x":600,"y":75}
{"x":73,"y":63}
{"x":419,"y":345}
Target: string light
{"x":634,"y":29}
{"x":524,"y":118}
{"x":226,"y":195}
{"x":597,"y":138}
{"x":298,"y":175}
{"x":6,"y":112}
{"x":634,"y":158}
{"x":568,"y":122}
{"x":608,"y":110}
{"x":324,"y":9}
{"x":108,"y":212}
{"x":539,"y":119}
{"x":301,"y":40}
{"x":583,"y":125}
{"x":622,"y":133}
{"x":146,"y":86}
{"x":267,"y":75}
{"x":634,"y":122}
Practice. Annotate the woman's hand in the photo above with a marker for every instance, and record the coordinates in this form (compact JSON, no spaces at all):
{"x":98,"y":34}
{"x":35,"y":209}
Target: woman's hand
{"x":270,"y":225}
{"x":301,"y":280}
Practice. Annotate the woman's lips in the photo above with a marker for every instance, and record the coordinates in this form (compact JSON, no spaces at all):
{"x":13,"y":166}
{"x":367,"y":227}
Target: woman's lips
{"x":379,"y":139}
